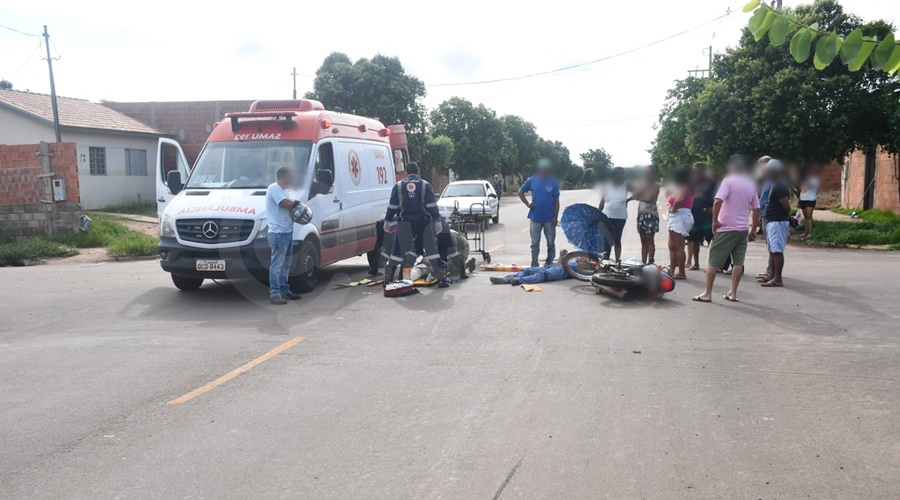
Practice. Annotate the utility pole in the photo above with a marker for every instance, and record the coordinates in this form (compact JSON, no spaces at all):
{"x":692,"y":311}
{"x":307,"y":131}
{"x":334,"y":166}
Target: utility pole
{"x":699,"y":73}
{"x":52,"y":87}
{"x":295,"y":83}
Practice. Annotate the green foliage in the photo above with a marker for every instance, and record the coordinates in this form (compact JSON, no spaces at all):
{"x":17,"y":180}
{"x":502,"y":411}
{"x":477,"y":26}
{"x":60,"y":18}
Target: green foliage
{"x":377,"y":88}
{"x":15,"y":252}
{"x":520,"y":152}
{"x":874,"y":216}
{"x":883,"y":55}
{"x":119,"y":240}
{"x":760,"y":101}
{"x":437,"y":153}
{"x":839,"y":234}
{"x":597,"y":165}
{"x":476,"y":133}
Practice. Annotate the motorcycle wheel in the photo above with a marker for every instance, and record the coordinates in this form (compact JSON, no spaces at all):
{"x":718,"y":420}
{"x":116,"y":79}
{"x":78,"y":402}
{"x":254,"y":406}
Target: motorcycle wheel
{"x":581,"y":265}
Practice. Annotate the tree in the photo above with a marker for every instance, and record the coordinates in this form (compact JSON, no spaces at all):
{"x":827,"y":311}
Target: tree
{"x":521,"y":148}
{"x":669,"y":149}
{"x":378,"y":88}
{"x":570,"y":174}
{"x":598,"y":162}
{"x":760,"y":101}
{"x":476,"y":133}
{"x":437,"y":153}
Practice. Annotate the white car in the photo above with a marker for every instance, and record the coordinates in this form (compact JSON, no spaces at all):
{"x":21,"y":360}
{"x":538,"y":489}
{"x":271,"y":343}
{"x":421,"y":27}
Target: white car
{"x":473,"y":197}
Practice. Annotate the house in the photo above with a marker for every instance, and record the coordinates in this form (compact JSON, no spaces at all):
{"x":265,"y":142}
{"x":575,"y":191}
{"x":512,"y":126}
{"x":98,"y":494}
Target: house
{"x":188,"y":122}
{"x":116,"y":154}
{"x":871,"y":180}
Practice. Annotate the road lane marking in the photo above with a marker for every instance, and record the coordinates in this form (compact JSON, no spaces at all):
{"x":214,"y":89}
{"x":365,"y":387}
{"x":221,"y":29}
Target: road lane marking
{"x":237,"y":371}
{"x":494,"y":249}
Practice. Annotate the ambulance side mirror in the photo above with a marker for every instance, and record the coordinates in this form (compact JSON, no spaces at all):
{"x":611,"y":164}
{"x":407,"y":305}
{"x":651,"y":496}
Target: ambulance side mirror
{"x":173,"y":181}
{"x":322,"y":183}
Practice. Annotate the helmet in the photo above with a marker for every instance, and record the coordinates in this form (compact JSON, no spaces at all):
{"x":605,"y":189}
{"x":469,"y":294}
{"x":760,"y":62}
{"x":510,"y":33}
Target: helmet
{"x":301,"y":214}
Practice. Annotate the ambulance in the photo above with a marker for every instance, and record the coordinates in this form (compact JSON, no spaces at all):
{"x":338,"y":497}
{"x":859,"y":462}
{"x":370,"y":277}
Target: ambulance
{"x":212,"y":216}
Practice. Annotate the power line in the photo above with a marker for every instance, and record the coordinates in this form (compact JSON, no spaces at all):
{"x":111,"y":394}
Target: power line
{"x":19,"y":32}
{"x":35,"y":51}
{"x":573,"y":66}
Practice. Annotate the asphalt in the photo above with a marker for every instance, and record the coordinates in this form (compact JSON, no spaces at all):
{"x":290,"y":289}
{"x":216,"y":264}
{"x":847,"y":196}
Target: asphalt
{"x":476,"y":392}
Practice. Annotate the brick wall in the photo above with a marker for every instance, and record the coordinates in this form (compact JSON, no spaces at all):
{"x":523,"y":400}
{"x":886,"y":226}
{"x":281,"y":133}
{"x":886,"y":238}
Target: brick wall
{"x":886,"y":196}
{"x":830,"y":177}
{"x":189,"y":122}
{"x":22,"y":190}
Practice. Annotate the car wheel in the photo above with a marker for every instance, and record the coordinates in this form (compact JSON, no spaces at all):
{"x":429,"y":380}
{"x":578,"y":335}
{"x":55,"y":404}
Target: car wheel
{"x":305,"y":268}
{"x":496,"y":218}
{"x":186,"y":284}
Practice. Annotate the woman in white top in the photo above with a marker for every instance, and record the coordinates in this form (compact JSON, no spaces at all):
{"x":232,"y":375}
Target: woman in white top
{"x":809,"y":191}
{"x":614,"y":204}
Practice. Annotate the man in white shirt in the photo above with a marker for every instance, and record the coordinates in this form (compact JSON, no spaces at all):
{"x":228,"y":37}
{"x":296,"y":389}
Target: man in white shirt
{"x":280,"y":236}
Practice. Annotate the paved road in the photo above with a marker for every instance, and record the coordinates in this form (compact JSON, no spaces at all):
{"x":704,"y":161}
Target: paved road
{"x":477,"y":392}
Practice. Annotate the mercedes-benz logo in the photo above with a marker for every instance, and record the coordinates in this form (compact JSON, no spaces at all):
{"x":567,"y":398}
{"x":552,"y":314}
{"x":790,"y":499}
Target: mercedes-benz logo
{"x":210,"y":229}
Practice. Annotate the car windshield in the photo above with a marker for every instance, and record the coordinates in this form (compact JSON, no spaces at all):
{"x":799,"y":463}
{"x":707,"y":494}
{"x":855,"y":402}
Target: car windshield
{"x":461,"y":190}
{"x":248,"y":165}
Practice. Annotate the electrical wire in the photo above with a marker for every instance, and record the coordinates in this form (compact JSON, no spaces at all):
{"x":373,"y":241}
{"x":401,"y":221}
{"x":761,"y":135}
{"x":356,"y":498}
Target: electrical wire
{"x":595,"y":61}
{"x":19,"y":32}
{"x":35,"y":51}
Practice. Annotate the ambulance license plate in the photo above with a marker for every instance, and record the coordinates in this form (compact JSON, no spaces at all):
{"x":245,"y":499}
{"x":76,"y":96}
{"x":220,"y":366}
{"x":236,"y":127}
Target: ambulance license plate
{"x":210,"y":265}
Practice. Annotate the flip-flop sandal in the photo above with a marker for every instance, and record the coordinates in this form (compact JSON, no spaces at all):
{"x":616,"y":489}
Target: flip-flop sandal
{"x":772,"y":285}
{"x":760,"y":276}
{"x":698,"y":299}
{"x":729,"y":299}
{"x":692,"y":268}
{"x":679,"y":277}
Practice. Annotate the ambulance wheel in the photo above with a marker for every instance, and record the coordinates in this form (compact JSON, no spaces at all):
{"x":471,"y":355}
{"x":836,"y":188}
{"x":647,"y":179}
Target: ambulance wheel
{"x":186,"y":284}
{"x":305,"y":274}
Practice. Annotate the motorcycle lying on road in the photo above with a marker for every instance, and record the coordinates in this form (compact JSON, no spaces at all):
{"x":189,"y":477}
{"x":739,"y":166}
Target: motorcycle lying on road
{"x":627,"y":280}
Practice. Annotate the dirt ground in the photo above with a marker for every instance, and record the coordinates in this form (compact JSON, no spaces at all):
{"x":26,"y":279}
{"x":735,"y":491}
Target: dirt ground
{"x":146,"y":225}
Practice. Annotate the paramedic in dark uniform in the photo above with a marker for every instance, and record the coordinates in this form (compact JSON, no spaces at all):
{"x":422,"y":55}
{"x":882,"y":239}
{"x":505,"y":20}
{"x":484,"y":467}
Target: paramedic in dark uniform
{"x":413,"y":201}
{"x":448,"y":251}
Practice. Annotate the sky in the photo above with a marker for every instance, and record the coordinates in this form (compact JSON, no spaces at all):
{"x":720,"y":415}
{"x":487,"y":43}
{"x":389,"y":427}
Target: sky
{"x":201,"y":50}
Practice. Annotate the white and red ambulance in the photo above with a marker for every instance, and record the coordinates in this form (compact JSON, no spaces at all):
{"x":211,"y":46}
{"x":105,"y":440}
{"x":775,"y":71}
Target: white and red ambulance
{"x":212,"y":216}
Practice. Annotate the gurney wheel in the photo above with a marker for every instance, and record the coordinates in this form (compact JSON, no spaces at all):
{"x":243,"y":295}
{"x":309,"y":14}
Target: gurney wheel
{"x":487,"y":257}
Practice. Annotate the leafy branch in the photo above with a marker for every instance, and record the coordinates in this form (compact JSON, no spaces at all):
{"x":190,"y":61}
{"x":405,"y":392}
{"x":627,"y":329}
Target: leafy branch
{"x":854,"y":49}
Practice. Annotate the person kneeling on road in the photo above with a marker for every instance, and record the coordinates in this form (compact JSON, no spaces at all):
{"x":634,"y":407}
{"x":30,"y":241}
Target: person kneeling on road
{"x":412,"y":199}
{"x":534,"y":275}
{"x":280,"y":236}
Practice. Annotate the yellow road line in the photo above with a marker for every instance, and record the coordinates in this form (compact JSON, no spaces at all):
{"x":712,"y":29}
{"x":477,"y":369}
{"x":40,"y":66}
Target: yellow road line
{"x":234,"y":373}
{"x":498,"y":247}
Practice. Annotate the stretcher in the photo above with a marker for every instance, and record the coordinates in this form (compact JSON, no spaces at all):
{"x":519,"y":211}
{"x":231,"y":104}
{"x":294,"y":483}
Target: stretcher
{"x":472,"y":224}
{"x":501,"y":267}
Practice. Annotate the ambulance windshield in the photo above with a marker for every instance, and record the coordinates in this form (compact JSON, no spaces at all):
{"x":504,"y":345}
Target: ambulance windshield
{"x":249,"y":165}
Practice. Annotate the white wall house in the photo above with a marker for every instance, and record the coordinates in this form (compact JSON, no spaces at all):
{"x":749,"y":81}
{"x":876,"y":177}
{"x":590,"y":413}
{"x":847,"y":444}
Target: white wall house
{"x":116,"y":154}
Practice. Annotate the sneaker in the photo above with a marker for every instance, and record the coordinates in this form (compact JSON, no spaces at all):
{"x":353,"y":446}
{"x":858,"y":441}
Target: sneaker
{"x":443,"y":284}
{"x":373,"y":272}
{"x":278,"y":301}
{"x":471,"y":265}
{"x":514,"y":281}
{"x":463,"y":276}
{"x":497,"y":280}
{"x":292,"y":296}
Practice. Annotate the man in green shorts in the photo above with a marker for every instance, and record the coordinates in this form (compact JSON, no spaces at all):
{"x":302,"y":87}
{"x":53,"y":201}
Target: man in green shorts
{"x":735,"y":202}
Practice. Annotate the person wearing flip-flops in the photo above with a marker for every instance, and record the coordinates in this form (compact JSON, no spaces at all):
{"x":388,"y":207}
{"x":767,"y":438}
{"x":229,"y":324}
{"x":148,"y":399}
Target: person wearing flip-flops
{"x":778,"y":222}
{"x":735,"y":208}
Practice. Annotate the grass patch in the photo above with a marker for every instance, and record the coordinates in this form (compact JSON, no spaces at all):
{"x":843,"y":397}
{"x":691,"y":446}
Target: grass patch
{"x":136,"y":207}
{"x":874,"y":216}
{"x":842,"y":234}
{"x":14,"y":252}
{"x":119,"y":240}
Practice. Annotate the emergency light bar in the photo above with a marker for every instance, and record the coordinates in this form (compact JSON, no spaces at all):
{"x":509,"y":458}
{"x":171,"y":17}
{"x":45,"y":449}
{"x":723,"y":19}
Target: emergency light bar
{"x":286,"y":115}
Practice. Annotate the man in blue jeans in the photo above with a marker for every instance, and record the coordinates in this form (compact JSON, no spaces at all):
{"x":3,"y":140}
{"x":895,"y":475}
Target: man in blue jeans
{"x":534,"y":275}
{"x":543,"y":209}
{"x":281,"y":236}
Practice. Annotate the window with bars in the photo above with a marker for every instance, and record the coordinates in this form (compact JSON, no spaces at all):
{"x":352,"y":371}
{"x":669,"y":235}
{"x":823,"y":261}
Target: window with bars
{"x":98,"y":161}
{"x":135,"y":162}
